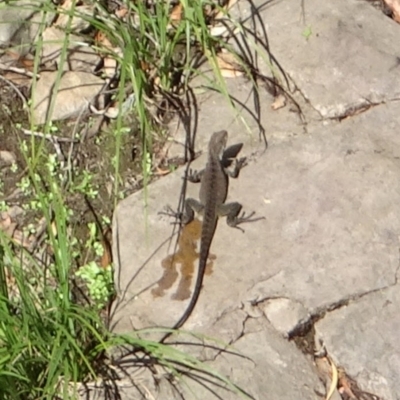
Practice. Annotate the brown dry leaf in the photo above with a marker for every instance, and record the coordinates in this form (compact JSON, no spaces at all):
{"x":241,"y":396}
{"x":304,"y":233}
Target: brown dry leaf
{"x":106,"y":258}
{"x":18,"y":68}
{"x":101,"y":39}
{"x":21,"y":60}
{"x":228,"y":65}
{"x":20,"y":80}
{"x":162,"y":172}
{"x":345,"y":386}
{"x":27,"y":63}
{"x":334,"y":379}
{"x":144,"y":65}
{"x":6,"y":224}
{"x":279,"y":102}
{"x":394,"y":5}
{"x":109,"y":63}
{"x":121,"y":12}
{"x":176,"y":13}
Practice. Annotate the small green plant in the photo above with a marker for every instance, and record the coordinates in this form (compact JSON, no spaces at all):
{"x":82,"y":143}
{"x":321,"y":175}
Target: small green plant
{"x":86,"y":186}
{"x":99,"y":282}
{"x":172,"y":167}
{"x":307,"y":32}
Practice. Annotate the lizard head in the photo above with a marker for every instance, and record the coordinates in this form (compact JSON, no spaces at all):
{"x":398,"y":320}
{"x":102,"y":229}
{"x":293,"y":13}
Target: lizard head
{"x":217,"y":143}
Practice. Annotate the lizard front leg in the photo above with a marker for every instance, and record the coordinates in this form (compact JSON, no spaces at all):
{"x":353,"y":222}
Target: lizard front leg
{"x":239,"y":164}
{"x":194,"y":176}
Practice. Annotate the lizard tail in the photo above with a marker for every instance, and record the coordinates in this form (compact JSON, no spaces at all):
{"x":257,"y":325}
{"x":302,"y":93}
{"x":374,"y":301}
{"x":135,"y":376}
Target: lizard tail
{"x":205,"y":244}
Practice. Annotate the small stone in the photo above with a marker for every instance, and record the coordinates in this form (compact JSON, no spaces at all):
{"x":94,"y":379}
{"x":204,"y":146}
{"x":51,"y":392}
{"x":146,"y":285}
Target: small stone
{"x":7,"y":158}
{"x":285,"y":314}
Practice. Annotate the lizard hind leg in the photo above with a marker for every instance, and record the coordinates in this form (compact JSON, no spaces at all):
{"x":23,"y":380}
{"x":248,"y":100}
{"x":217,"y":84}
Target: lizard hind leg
{"x":191,"y":206}
{"x":232,"y":211}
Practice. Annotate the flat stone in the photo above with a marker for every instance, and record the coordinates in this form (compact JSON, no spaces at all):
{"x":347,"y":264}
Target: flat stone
{"x":20,"y":23}
{"x":330,"y":234}
{"x":7,"y":158}
{"x":245,"y":120}
{"x":349,"y":60}
{"x":260,"y":372}
{"x":285,"y":314}
{"x":329,"y":192}
{"x":76,"y":91}
{"x":268,"y":358}
{"x":330,"y":205}
{"x":363,"y":338}
{"x":79,"y":57}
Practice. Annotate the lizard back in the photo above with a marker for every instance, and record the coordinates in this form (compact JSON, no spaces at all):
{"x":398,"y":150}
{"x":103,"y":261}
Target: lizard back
{"x":213,"y":192}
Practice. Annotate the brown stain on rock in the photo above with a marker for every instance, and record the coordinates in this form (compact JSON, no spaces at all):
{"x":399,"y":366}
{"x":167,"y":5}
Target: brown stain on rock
{"x":183,"y":261}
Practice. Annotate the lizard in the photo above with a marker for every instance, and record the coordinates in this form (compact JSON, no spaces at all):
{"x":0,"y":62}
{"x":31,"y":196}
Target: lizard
{"x":211,"y":205}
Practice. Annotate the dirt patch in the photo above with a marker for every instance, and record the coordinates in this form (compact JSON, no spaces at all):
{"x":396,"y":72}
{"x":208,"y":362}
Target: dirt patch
{"x":90,"y":157}
{"x":11,"y":113}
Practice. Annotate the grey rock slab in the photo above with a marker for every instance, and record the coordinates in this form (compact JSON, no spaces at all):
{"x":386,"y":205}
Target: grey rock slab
{"x":133,"y":383}
{"x":285,"y":314}
{"x":20,"y":23}
{"x":261,"y":362}
{"x":76,"y":91}
{"x":144,"y":243}
{"x":266,"y":366}
{"x":350,"y":59}
{"x":332,"y":230}
{"x":330,"y":201}
{"x":363,"y":338}
{"x":216,"y":113}
{"x":79,"y":57}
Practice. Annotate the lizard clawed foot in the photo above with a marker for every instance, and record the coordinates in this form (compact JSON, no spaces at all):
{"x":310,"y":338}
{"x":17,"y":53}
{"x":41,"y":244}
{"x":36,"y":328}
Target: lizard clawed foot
{"x":241,"y":162}
{"x":170,"y":212}
{"x":247,"y":218}
{"x":194,"y":176}
{"x":243,"y":219}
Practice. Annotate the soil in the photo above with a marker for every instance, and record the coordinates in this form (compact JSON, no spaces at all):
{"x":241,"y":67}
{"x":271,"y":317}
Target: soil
{"x":93,"y":154}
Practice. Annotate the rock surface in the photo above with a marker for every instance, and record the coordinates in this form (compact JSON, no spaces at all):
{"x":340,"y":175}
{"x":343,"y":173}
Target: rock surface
{"x":362,"y":337}
{"x":76,"y":91}
{"x":329,"y":189}
{"x":20,"y":23}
